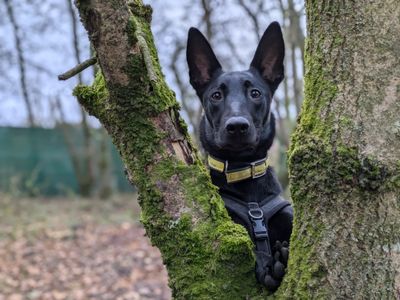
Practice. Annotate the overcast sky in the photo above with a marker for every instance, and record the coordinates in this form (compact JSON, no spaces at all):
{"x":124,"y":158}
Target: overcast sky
{"x":45,"y":30}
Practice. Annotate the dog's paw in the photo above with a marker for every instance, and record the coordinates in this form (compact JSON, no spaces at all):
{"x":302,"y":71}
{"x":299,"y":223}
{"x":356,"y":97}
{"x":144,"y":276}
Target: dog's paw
{"x":281,"y":252}
{"x":275,"y":272}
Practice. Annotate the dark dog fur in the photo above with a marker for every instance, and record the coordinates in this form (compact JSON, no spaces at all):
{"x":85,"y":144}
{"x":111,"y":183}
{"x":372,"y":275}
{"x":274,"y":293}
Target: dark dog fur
{"x":238,"y":125}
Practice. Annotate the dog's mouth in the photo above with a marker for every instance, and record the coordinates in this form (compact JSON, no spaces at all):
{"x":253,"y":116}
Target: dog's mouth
{"x":246,"y":143}
{"x":237,"y":146}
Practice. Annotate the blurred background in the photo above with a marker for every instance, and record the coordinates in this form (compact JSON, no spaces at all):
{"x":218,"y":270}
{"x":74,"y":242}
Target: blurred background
{"x":68,"y":217}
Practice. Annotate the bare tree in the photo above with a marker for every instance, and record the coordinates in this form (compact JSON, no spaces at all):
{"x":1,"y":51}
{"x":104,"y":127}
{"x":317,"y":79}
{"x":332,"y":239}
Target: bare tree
{"x":21,"y":62}
{"x":295,"y":43}
{"x":87,"y":180}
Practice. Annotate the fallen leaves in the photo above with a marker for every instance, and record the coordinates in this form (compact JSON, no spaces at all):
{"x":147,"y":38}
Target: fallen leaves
{"x":89,"y":261}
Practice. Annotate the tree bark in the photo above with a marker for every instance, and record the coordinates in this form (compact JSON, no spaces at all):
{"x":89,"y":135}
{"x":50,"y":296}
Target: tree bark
{"x":345,"y":155}
{"x":345,"y":184}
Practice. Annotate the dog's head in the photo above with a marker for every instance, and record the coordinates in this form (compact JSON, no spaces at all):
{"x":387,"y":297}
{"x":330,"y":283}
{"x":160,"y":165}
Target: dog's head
{"x":236,"y":104}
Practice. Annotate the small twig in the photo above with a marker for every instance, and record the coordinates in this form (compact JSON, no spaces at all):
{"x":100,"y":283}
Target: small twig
{"x":77,"y":69}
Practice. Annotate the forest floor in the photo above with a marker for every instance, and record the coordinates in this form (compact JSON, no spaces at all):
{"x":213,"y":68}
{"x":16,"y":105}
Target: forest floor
{"x":75,"y":248}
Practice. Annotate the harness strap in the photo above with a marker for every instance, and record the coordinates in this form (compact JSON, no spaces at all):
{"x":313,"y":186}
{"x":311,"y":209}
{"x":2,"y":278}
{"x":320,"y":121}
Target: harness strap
{"x":261,"y":240}
{"x":240,"y":208}
{"x":256,"y":220}
{"x":271,"y":207}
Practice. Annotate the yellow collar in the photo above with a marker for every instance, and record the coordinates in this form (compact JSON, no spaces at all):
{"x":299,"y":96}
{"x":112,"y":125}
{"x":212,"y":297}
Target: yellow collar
{"x":256,"y":169}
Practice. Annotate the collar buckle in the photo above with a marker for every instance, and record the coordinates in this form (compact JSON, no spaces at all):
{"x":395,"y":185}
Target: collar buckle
{"x":258,"y":168}
{"x":256,"y":215}
{"x":226,"y":167}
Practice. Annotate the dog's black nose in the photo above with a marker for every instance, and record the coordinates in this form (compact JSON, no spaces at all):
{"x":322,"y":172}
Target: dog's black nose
{"x":237,"y":126}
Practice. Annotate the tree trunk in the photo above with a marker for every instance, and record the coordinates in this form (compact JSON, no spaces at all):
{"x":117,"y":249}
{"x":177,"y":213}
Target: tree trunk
{"x":345,"y":154}
{"x":345,"y":184}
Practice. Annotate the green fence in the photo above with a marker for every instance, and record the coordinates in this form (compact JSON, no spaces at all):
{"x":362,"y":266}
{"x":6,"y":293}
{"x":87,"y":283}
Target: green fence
{"x":37,"y":161}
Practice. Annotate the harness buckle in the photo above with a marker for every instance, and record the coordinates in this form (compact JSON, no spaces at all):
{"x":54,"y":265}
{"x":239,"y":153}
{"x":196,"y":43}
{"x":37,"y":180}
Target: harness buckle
{"x":257,"y":220}
{"x":254,"y":166}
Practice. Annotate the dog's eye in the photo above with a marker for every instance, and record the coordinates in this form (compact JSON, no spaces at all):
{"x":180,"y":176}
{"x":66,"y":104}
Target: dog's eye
{"x":254,"y":93}
{"x":216,"y":96}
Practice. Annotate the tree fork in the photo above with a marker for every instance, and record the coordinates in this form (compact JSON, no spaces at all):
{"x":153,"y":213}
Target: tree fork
{"x":207,"y":256}
{"x":345,"y":184}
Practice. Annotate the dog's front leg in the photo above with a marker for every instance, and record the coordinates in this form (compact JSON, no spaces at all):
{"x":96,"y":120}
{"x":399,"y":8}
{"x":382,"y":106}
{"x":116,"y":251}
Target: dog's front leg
{"x":280,"y":230}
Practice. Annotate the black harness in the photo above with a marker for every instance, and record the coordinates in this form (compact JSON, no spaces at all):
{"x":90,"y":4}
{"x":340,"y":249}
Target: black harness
{"x":255,"y":217}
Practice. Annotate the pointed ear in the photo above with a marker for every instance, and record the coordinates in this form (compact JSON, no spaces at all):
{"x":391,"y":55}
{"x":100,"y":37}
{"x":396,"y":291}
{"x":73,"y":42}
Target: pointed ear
{"x":268,"y":59}
{"x":201,"y":59}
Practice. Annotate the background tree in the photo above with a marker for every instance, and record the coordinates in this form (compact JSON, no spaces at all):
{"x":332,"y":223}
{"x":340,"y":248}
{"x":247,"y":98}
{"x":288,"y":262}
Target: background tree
{"x":83,"y":160}
{"x":32,"y":52}
{"x":345,"y":183}
{"x":21,"y":62}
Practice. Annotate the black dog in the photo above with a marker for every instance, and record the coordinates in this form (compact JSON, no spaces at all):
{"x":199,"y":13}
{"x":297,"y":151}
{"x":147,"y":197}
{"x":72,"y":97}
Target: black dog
{"x":237,"y":130}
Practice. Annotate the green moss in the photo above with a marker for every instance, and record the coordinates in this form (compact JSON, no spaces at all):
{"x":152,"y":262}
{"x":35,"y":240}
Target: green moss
{"x":372,"y":175}
{"x":211,"y":252}
{"x":306,"y":274}
{"x":321,"y":72}
{"x":131,"y":30}
{"x":194,"y":178}
{"x":394,"y":182}
{"x":333,"y":169}
{"x":146,"y":97}
{"x":320,"y":89}
{"x":143,"y":11}
{"x":92,"y":97}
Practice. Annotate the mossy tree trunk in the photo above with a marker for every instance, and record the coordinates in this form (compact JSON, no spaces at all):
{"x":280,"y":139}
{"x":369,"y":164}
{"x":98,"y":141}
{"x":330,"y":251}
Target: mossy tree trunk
{"x":345,"y":184}
{"x":345,"y":155}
